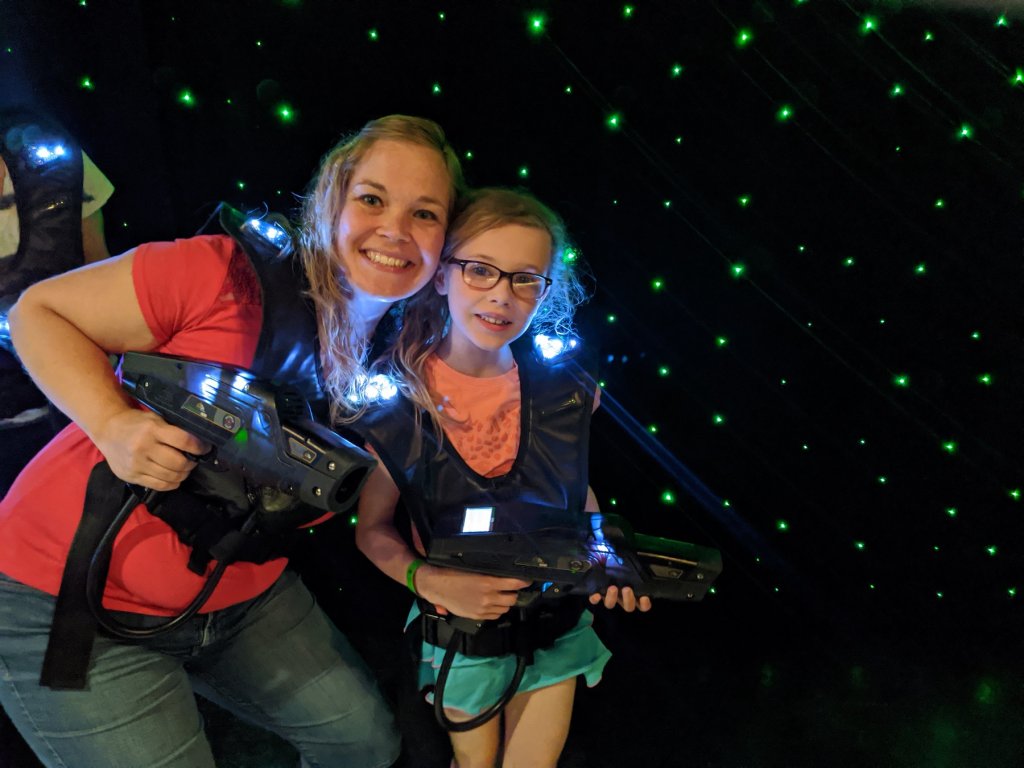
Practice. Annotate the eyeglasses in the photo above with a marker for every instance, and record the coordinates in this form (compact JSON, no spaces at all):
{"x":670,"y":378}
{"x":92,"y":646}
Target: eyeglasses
{"x":526,"y":285}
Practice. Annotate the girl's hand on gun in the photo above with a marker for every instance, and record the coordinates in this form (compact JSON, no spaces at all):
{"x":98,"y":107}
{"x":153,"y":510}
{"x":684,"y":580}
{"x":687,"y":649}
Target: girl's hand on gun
{"x":143,"y":449}
{"x":470,"y":595}
{"x":625,"y":597}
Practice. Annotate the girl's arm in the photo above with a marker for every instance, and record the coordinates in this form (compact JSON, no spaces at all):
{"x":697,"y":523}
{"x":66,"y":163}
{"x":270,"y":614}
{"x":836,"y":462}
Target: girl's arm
{"x":471,"y":595}
{"x":63,"y":329}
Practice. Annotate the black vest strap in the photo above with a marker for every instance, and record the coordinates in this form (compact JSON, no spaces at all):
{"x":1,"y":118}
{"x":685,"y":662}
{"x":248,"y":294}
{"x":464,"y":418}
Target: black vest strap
{"x":74,"y":627}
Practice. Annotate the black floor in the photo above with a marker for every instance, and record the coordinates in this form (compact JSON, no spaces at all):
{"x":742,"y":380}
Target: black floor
{"x":728,"y":683}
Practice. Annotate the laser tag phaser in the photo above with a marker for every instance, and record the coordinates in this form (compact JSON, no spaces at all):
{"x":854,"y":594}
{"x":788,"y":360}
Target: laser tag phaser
{"x":538,"y":544}
{"x":260,"y":431}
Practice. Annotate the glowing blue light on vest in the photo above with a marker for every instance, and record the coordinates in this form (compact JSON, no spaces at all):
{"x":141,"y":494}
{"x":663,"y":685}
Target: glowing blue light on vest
{"x":551,"y":348}
{"x":45,"y":153}
{"x":270,"y":232}
{"x":378,"y":388}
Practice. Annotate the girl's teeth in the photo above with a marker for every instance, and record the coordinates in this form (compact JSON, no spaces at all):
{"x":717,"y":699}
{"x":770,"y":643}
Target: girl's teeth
{"x":493,"y":321}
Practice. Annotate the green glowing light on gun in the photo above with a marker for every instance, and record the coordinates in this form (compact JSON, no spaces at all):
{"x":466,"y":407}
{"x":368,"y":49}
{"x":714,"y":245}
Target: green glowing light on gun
{"x":242,"y":435}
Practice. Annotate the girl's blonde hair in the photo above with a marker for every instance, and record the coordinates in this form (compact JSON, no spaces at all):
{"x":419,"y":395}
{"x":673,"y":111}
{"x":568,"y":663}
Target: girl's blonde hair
{"x":426,"y":314}
{"x":343,"y":348}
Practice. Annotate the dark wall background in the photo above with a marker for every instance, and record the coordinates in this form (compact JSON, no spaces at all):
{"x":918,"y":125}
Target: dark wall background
{"x":804,"y":219}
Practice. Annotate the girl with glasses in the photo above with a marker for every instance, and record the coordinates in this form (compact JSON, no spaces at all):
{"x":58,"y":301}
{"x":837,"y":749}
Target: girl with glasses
{"x":503,"y":271}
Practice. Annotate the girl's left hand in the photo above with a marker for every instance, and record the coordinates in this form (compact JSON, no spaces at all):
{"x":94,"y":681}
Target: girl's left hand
{"x":614,"y":596}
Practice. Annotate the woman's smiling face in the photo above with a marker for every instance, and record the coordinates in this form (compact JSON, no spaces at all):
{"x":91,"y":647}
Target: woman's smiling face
{"x":392,"y":225}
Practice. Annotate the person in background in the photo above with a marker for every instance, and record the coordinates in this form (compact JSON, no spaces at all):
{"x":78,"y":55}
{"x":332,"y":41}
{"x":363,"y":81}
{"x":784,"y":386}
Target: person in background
{"x":51,"y":220}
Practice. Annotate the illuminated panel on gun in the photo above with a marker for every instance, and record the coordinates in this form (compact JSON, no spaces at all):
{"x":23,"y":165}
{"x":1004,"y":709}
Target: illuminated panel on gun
{"x":478,"y":520}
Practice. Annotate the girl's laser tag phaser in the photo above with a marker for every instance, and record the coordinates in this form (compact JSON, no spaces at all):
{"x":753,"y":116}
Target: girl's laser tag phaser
{"x":262,"y":432}
{"x":543,"y":545}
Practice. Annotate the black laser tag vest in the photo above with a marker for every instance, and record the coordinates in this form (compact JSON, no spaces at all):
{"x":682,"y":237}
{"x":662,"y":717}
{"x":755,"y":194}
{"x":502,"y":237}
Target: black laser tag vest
{"x":549,"y":474}
{"x":45,"y":164}
{"x":210,"y":505}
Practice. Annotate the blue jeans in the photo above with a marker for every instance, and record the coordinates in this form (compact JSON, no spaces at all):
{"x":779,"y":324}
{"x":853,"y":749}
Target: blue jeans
{"x":276,"y":661}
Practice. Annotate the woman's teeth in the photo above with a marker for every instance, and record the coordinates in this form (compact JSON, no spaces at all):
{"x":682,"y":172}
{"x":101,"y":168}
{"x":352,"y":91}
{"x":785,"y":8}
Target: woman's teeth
{"x":382,"y":258}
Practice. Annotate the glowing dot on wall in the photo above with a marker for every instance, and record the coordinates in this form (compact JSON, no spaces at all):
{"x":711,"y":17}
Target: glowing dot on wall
{"x":436,"y":89}
{"x":677,"y":70}
{"x":1012,"y":591}
{"x":1002,"y":21}
{"x":744,"y":37}
{"x":721,"y":341}
{"x":882,"y":479}
{"x":849,"y":261}
{"x":901,"y":380}
{"x":976,"y":335}
{"x":441,"y":16}
{"x":678,"y":139}
{"x":240,"y":184}
{"x":920,"y":269}
{"x":862,"y":441}
{"x":1017,"y":79}
{"x":523,"y":172}
{"x":781,"y":525}
{"x":726,"y":503}
{"x":568,"y":89}
{"x":613,"y":122}
{"x":628,"y":11}
{"x":663,"y":371}
{"x":353,"y":520}
{"x":666,"y":203}
{"x":985,"y":378}
{"x":611,"y":318}
{"x":965,"y":132}
{"x":743,"y":200}
{"x":992,"y":551}
{"x":468,"y":154}
{"x":372,"y":35}
{"x":652,"y":428}
{"x":85,"y":83}
{"x":940,"y":203}
{"x":928,"y":36}
{"x":259,"y":43}
{"x":186,"y":98}
{"x":784,"y":113}
{"x":951,"y":511}
{"x":536,"y":23}
{"x":657,"y":284}
{"x":868,"y":25}
{"x":859,"y":545}
{"x":896,"y":90}
{"x":285,"y":113}
{"x":738,"y":270}
{"x":668,"y":497}
{"x":1015,"y":494}
{"x":950,"y":446}
{"x":717,"y":419}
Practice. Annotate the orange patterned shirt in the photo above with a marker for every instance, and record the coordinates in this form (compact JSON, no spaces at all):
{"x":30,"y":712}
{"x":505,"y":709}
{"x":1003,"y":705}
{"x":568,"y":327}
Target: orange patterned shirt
{"x":480,"y":415}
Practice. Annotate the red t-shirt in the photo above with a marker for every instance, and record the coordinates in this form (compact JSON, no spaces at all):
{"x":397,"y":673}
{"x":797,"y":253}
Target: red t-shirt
{"x":200,"y":299}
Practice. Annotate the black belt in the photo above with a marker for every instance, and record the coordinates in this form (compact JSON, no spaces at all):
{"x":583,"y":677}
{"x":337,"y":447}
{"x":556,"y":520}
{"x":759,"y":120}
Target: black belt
{"x":519,"y":632}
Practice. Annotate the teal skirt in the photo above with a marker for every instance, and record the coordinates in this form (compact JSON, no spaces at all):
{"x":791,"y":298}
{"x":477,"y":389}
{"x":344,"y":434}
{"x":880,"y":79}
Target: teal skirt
{"x":475,"y":683}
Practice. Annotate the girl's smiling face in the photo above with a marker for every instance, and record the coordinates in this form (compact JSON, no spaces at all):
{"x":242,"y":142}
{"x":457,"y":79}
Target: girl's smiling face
{"x":484,"y":321}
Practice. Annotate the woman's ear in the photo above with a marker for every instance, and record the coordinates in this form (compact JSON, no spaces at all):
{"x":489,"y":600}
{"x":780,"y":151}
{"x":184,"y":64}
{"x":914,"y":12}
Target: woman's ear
{"x":441,"y":280}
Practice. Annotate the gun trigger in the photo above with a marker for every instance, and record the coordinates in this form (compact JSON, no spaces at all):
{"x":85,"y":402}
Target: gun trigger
{"x":208,"y":456}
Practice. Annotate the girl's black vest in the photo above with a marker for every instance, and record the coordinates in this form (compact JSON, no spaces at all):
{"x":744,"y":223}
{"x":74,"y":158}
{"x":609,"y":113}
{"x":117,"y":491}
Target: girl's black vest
{"x":550,"y":470}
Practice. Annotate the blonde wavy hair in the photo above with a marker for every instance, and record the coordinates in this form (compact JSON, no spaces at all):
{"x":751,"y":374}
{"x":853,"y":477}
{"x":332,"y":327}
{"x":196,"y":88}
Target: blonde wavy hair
{"x":343,"y":348}
{"x":426,"y":313}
